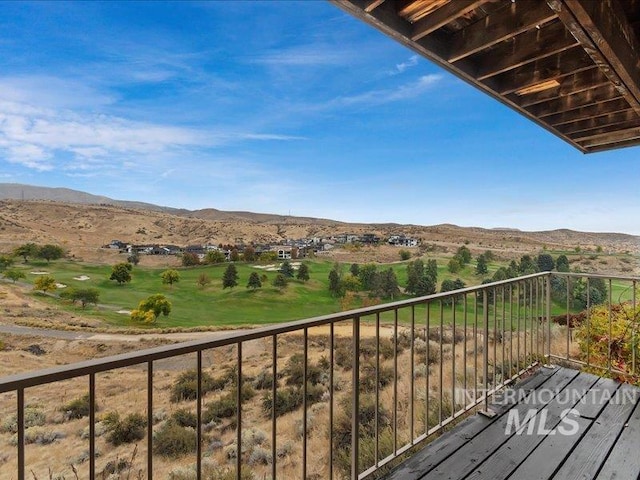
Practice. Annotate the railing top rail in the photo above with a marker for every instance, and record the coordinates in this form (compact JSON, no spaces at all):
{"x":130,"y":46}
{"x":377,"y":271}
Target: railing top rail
{"x":66,"y":372}
{"x":598,"y":275}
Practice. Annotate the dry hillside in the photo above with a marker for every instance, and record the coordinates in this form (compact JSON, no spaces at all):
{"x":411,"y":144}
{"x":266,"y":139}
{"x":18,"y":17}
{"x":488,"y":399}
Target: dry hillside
{"x":82,"y":229}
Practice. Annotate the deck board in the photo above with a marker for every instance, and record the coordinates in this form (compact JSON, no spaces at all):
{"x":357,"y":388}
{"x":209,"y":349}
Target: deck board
{"x":601,"y":442}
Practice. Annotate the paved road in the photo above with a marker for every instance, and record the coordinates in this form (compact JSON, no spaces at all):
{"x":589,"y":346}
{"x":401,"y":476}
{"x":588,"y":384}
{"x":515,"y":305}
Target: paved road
{"x":120,"y":337}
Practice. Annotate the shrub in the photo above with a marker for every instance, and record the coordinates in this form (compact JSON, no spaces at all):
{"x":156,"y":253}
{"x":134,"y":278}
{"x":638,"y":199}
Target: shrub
{"x":185,"y":418}
{"x":368,"y":377}
{"x":226,"y":405}
{"x":172,"y":440}
{"x":38,"y":435}
{"x":77,"y":408}
{"x":594,"y":338}
{"x":127,"y":430}
{"x":295,"y":371}
{"x":186,"y":386}
{"x":287,"y":400}
{"x":264,"y":380}
{"x":33,"y":417}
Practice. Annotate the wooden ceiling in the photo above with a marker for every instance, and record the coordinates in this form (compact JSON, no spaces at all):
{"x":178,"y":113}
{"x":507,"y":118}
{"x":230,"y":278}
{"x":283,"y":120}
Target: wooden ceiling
{"x":572,"y":66}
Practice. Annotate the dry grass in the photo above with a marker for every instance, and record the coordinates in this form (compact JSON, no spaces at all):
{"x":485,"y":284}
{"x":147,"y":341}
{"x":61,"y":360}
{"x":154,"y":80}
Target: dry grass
{"x":124,"y":391}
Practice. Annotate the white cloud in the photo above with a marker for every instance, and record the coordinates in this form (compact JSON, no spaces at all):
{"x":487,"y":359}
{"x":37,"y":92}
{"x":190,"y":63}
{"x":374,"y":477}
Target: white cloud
{"x":74,"y":139}
{"x":305,"y":55}
{"x":382,"y":96}
{"x":401,"y":67}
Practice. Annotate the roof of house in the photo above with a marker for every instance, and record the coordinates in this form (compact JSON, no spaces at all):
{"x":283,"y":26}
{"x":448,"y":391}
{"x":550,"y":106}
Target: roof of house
{"x":571,"y":66}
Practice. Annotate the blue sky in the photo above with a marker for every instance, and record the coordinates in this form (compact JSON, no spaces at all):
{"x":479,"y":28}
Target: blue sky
{"x":280,"y":107}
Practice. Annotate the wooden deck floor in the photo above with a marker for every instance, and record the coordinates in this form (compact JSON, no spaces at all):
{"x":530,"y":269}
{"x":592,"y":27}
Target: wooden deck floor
{"x":598,"y":439}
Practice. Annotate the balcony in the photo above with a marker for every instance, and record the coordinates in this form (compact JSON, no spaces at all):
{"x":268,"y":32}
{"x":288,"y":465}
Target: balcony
{"x":435,"y":383}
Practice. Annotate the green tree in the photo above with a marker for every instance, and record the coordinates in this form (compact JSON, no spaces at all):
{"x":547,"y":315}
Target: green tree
{"x":527,"y":265}
{"x":454,"y":265}
{"x":215,"y":256}
{"x":334,"y":282}
{"x":415,"y":272}
{"x":234,"y":256}
{"x":404,"y":254}
{"x":150,"y":309}
{"x":254,"y":281}
{"x":203,"y":280}
{"x":303,"y":272}
{"x":501,"y":274}
{"x":249,"y":254}
{"x":169,"y":277}
{"x":513,"y":269}
{"x":287,"y":269}
{"x":280,"y":282}
{"x":389,"y":284}
{"x":84,"y":296}
{"x":268,"y":257}
{"x":426,"y":286}
{"x":45,"y":283}
{"x":349,"y":283}
{"x":489,"y":255}
{"x":25,"y":251}
{"x":230,"y":277}
{"x":481,"y":265}
{"x":545,"y":262}
{"x":190,"y":259}
{"x":562,"y":263}
{"x":13,"y":275}
{"x":134,"y":258}
{"x":5,"y":262}
{"x":354,"y":269}
{"x":464,"y":254}
{"x":121,"y":273}
{"x":367,"y":275}
{"x":431,"y":270}
{"x":50,"y":252}
{"x":449,"y":286}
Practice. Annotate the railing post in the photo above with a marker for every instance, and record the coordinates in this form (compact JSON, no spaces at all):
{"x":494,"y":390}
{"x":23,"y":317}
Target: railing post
{"x":485,"y":341}
{"x":92,"y":426}
{"x":548,"y":315}
{"x":20,"y":426}
{"x":150,"y":420}
{"x":355,"y":401}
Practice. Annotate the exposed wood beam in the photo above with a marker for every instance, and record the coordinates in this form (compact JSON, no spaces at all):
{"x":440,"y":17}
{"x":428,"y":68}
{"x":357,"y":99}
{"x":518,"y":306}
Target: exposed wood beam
{"x":613,"y":146}
{"x":578,"y":100}
{"x":525,"y":48}
{"x":556,"y":67}
{"x":414,"y":10}
{"x":612,"y":137}
{"x":570,"y":85}
{"x":516,"y":18}
{"x":371,"y":5}
{"x":594,"y":133}
{"x":603,"y":31}
{"x":442,"y":16}
{"x":593,"y":111}
{"x":591,"y":124}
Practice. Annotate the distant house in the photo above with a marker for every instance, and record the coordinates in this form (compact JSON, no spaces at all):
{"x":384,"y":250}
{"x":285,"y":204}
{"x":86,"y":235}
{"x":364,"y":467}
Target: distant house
{"x":403,"y":241}
{"x":370,"y":239}
{"x":284,"y":253}
{"x":116,"y":245}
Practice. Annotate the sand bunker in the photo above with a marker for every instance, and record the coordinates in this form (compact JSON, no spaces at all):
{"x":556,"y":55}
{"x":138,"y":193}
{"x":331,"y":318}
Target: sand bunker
{"x":39,"y":273}
{"x":82,"y":278}
{"x":124,"y":312}
{"x":60,"y":285}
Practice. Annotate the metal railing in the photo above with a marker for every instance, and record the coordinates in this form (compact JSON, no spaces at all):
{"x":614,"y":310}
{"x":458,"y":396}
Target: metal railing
{"x":371,"y":383}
